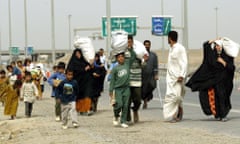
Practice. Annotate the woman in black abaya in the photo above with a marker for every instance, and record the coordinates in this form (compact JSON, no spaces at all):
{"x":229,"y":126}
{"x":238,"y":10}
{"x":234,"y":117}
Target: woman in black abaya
{"x":214,"y":80}
{"x":82,"y":74}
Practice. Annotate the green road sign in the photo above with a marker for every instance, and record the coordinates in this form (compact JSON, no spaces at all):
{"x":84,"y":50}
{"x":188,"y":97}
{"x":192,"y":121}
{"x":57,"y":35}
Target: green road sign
{"x":14,"y":50}
{"x":127,"y":24}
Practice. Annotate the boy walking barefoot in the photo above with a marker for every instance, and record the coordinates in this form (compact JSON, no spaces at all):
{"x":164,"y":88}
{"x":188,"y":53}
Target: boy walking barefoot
{"x":66,"y":94}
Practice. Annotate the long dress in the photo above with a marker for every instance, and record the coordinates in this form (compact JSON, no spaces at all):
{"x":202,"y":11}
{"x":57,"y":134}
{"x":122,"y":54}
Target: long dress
{"x":177,"y":67}
{"x":10,"y":96}
{"x":214,"y":82}
{"x":84,"y":79}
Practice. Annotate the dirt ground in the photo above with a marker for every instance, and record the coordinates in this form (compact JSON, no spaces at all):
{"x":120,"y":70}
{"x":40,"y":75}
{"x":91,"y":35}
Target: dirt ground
{"x":97,"y":129}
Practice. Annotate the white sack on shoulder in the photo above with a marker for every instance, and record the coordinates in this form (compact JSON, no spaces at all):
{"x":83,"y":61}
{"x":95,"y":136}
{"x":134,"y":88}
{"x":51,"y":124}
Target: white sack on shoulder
{"x":139,"y":49}
{"x":231,"y":48}
{"x":85,"y":44}
{"x":119,"y":40}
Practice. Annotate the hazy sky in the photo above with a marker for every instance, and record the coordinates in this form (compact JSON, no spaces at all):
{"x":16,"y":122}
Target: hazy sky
{"x":88,"y":13}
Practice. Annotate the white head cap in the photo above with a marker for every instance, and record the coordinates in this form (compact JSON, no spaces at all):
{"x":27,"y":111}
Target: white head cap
{"x":219,"y":42}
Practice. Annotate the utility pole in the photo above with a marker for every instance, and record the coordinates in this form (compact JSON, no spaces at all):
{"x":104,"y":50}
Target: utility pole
{"x":53,"y":32}
{"x":26,"y":30}
{"x":69,"y":32}
{"x":185,"y":27}
{"x":108,"y":14}
{"x":10,"y":27}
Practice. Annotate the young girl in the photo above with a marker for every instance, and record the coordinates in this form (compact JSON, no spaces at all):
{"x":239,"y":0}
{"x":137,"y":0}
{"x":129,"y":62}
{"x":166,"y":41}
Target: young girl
{"x":10,"y":94}
{"x":28,"y":93}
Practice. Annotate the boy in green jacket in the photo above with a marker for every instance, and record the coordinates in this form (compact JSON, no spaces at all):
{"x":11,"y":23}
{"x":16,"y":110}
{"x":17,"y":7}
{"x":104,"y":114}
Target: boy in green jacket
{"x":120,"y":85}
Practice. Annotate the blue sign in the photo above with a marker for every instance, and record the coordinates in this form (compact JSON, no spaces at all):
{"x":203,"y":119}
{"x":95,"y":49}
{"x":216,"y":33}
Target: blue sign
{"x":161,"y":26}
{"x":29,"y":50}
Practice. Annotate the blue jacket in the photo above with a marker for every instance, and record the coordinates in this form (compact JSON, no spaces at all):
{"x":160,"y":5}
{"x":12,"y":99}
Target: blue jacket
{"x":56,"y":75}
{"x":67,"y":91}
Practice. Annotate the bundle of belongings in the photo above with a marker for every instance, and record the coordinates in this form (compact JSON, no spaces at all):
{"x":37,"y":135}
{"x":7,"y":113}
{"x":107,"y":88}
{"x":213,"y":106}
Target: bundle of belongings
{"x":230,"y":47}
{"x":119,"y":44}
{"x":86,"y":46}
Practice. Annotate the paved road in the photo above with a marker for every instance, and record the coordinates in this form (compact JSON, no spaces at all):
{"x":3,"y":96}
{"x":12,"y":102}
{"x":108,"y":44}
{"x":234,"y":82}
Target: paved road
{"x":193,"y":115}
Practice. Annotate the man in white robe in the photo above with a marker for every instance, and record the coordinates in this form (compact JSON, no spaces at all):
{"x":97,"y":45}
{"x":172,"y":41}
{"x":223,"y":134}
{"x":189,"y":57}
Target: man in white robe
{"x":176,"y":74}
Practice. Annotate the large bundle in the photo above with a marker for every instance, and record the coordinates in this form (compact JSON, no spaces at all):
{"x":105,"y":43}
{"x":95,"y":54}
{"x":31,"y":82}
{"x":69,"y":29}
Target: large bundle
{"x":85,"y":44}
{"x":119,"y":44}
{"x":139,"y":49}
{"x":119,"y":40}
{"x":230,"y":47}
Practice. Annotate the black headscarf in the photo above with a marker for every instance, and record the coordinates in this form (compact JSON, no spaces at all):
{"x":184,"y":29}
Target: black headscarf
{"x":77,"y":64}
{"x":210,"y":71}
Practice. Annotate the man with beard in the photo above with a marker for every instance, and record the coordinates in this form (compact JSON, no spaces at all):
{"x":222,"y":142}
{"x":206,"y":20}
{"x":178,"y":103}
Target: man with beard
{"x":149,"y":75}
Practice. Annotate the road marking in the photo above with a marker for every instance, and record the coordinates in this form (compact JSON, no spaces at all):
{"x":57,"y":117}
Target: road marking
{"x":198,"y":105}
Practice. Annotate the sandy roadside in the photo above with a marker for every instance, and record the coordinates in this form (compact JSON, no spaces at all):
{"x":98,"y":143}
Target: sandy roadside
{"x":42,"y":129}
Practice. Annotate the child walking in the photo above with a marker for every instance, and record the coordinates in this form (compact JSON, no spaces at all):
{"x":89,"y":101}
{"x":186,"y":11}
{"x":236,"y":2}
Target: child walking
{"x":54,"y":80}
{"x":66,"y":94}
{"x":28,"y":94}
{"x":119,"y":83}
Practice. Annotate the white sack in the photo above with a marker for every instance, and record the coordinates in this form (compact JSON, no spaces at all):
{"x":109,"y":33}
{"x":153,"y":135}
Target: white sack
{"x":139,"y":49}
{"x":231,"y":48}
{"x":119,"y":40}
{"x":85,"y":44}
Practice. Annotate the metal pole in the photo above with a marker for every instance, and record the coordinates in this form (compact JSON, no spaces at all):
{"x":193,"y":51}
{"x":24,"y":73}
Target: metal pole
{"x":216,"y":22}
{"x":69,"y":32}
{"x":185,"y":27}
{"x":26,"y":30}
{"x":0,"y":47}
{"x":108,"y":11}
{"x":53,"y":32}
{"x":163,"y":49}
{"x":10,"y":27}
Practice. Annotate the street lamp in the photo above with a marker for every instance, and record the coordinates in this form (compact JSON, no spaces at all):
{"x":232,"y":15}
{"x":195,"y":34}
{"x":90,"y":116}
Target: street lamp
{"x":216,"y":8}
{"x":69,"y":32}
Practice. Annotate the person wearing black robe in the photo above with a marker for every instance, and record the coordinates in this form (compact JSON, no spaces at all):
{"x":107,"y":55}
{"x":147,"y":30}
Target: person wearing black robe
{"x":98,"y":75}
{"x":82,"y":74}
{"x":214,"y":81}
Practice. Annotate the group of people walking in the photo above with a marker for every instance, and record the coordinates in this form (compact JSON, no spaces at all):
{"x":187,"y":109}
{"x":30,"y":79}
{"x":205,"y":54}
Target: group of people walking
{"x":21,"y":81}
{"x":213,"y":80}
{"x":77,"y":85}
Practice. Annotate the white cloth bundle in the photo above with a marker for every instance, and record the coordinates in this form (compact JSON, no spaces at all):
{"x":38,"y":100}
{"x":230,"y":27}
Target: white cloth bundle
{"x":119,"y":40}
{"x":139,"y":49}
{"x":231,"y":48}
{"x":85,"y":44}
